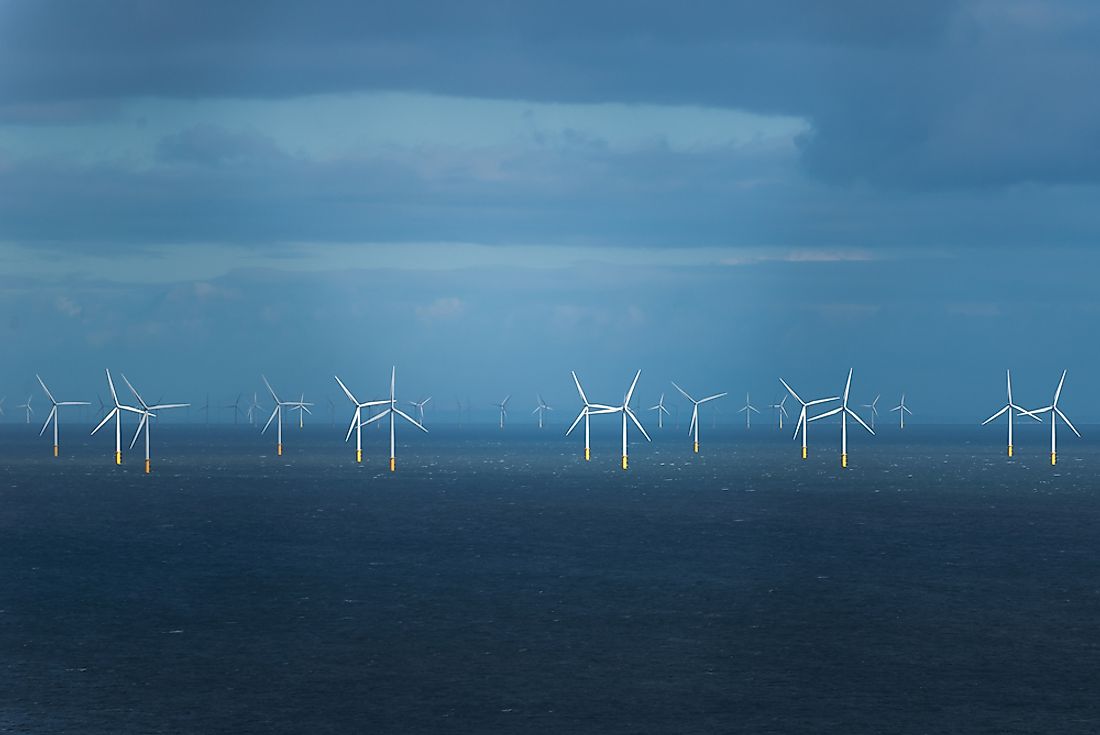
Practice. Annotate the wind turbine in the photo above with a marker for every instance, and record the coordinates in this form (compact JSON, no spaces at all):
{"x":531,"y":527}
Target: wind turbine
{"x":302,"y":408}
{"x":694,"y":427}
{"x":541,"y":409}
{"x":748,"y":409}
{"x":661,"y":411}
{"x":277,"y":412}
{"x":902,"y":409}
{"x":53,"y":412}
{"x":392,"y":410}
{"x":27,"y":407}
{"x":420,"y":408}
{"x":1055,"y":414}
{"x":1009,"y":408}
{"x":626,"y":411}
{"x":253,"y":407}
{"x":146,"y":414}
{"x":503,"y":405}
{"x":801,"y":425}
{"x":357,"y":418}
{"x":780,"y":410}
{"x":116,"y":414}
{"x":2,"y":399}
{"x":844,"y":412}
{"x":236,"y":406}
{"x":873,"y":405}
{"x":587,"y":410}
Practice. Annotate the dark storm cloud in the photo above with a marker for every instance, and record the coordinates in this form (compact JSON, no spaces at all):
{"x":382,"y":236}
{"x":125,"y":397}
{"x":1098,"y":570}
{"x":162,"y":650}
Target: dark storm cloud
{"x":915,"y":95}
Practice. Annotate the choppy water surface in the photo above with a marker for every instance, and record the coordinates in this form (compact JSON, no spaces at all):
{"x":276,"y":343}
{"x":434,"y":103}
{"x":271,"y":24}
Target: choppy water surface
{"x":498,"y":583}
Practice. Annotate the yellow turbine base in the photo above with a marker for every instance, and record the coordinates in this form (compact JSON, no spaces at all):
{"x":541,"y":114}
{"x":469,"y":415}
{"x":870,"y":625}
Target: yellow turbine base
{"x":1009,"y":450}
{"x":55,"y":450}
{"x":696,"y":447}
{"x":587,"y":454}
{"x":279,"y":449}
{"x":624,"y":461}
{"x":358,"y":455}
{"x":803,"y":452}
{"x":118,"y":457}
{"x":147,"y":467}
{"x":1053,"y":458}
{"x":393,"y":464}
{"x":844,"y":461}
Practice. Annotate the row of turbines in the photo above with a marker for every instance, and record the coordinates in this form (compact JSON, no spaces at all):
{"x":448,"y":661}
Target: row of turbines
{"x":388,"y":409}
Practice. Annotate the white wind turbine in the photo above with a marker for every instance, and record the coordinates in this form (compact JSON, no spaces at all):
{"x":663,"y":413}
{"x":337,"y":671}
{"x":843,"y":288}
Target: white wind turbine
{"x":780,"y":410}
{"x":419,"y":406}
{"x":693,"y":428}
{"x":53,"y":412}
{"x":357,"y":418}
{"x":873,"y":405}
{"x":116,"y":414}
{"x":503,"y":406}
{"x":1009,"y":408}
{"x":253,"y":407}
{"x":748,"y":409}
{"x":1055,"y":414}
{"x":27,"y":407}
{"x":277,"y":412}
{"x":802,"y":425}
{"x":902,"y":409}
{"x":626,"y":411}
{"x":661,"y":411}
{"x":302,"y":407}
{"x":146,"y":414}
{"x":541,"y":409}
{"x":392,"y":410}
{"x":587,"y":410}
{"x":844,"y":412}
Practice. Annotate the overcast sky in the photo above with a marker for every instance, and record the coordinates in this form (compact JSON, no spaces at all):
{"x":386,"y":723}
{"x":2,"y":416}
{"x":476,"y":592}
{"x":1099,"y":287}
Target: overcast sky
{"x":491,"y":193}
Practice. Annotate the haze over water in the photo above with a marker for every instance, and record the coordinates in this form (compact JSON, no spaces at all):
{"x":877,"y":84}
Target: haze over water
{"x":499,"y":583}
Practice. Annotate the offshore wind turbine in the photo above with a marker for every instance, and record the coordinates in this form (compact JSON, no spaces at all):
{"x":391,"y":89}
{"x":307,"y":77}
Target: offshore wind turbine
{"x":873,"y":405}
{"x":627,"y":412}
{"x":236,"y":406}
{"x":661,"y":411}
{"x":1009,"y":408}
{"x":694,"y":427}
{"x":902,"y":409}
{"x":253,"y":407}
{"x":541,"y":409}
{"x":278,"y":411}
{"x":392,"y":411}
{"x":587,"y":411}
{"x":780,"y":410}
{"x":146,"y":415}
{"x":357,"y":418}
{"x":53,"y":412}
{"x":844,"y":412}
{"x":27,"y":407}
{"x":503,"y":405}
{"x":419,"y":406}
{"x":1055,"y":414}
{"x":116,"y":414}
{"x":748,"y":409}
{"x":802,"y":425}
{"x":302,"y":407}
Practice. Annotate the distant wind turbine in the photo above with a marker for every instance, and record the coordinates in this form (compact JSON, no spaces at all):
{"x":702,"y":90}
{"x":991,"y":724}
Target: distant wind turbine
{"x":54,"y":414}
{"x":627,"y":412}
{"x":587,"y":411}
{"x":357,"y":422}
{"x":277,"y":412}
{"x":419,"y":406}
{"x":661,"y":411}
{"x":541,"y":409}
{"x":1055,"y":414}
{"x":844,"y":412}
{"x":873,"y":405}
{"x":693,"y":428}
{"x":27,"y":407}
{"x":748,"y":409}
{"x":902,"y":409}
{"x":780,"y":410}
{"x":1009,"y":408}
{"x":802,"y":424}
{"x":392,"y":411}
{"x":146,"y":415}
{"x":116,"y":414}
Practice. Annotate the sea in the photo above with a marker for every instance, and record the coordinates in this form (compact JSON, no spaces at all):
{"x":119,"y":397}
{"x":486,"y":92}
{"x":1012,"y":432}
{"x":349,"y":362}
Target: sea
{"x":498,"y":583}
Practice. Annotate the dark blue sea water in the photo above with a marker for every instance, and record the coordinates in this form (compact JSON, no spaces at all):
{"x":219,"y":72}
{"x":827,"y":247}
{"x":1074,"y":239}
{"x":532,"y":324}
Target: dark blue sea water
{"x":498,"y":583}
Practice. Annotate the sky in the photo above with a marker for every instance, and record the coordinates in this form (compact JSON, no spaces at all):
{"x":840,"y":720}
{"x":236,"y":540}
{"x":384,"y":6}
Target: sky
{"x":492,"y":193}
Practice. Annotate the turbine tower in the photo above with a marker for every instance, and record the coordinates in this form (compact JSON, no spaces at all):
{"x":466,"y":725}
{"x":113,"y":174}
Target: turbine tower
{"x":801,"y":425}
{"x":116,"y":414}
{"x":1055,"y":414}
{"x":27,"y":407}
{"x":661,"y":411}
{"x":503,"y":406}
{"x":693,"y":428}
{"x":541,"y":409}
{"x":146,"y":414}
{"x":844,"y":412}
{"x":392,"y":410}
{"x":748,"y":409}
{"x":902,"y":409}
{"x":53,"y":412}
{"x":587,"y":410}
{"x":1009,"y":408}
{"x":357,"y":418}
